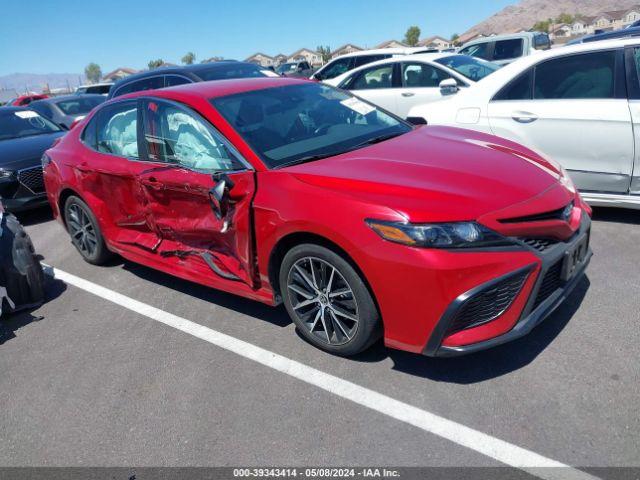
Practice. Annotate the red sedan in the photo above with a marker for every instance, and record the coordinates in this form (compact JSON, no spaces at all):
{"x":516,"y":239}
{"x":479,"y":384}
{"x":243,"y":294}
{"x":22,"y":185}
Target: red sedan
{"x":24,"y":100}
{"x":443,"y":241}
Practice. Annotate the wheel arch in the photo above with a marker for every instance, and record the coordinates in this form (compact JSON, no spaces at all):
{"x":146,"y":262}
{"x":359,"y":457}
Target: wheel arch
{"x":292,"y":240}
{"x":65,"y":193}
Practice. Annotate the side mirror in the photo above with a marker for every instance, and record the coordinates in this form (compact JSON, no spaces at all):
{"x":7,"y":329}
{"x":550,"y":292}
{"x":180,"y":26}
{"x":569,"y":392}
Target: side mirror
{"x":219,"y":196}
{"x":448,"y":87}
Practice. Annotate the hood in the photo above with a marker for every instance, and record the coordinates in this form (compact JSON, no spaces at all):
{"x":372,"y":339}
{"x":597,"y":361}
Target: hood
{"x":437,"y":174}
{"x":26,"y":151}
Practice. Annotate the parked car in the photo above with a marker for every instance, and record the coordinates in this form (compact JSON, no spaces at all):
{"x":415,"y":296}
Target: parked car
{"x":99,"y":88}
{"x":349,"y":61}
{"x":21,"y":275}
{"x":284,"y":190}
{"x":172,"y":76}
{"x":24,"y":136}
{"x":577,"y":105}
{"x":504,"y":49}
{"x":631,"y":31}
{"x":25,"y":100}
{"x":67,"y":109}
{"x":295,"y":69}
{"x":397,"y":84}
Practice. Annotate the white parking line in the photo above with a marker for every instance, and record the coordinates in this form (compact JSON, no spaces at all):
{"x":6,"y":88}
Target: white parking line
{"x":492,"y":447}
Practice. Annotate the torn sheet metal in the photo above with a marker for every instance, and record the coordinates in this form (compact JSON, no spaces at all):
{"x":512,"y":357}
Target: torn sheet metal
{"x":21,"y":275}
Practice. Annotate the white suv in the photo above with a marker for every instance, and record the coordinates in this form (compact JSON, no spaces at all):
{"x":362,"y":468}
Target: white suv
{"x":578,"y":105}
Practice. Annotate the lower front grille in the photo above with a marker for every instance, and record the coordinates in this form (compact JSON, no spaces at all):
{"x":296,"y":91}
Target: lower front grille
{"x":32,"y":178}
{"x":551,"y":282}
{"x":539,"y":244}
{"x":488,"y":304}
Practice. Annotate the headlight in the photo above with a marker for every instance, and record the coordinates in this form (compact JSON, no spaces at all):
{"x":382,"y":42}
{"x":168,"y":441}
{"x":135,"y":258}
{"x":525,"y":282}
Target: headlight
{"x":5,"y":174}
{"x":439,"y":235}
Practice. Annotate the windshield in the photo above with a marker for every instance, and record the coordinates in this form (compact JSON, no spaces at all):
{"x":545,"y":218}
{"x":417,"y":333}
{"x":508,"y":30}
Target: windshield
{"x":285,"y":67}
{"x":231,"y":70}
{"x":80,"y":105}
{"x":24,"y":123}
{"x":473,"y":68}
{"x":298,"y":123}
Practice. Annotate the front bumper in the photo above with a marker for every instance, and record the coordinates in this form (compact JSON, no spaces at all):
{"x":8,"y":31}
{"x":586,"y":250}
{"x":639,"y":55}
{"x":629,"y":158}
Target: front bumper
{"x":25,"y":203}
{"x":541,"y":301}
{"x":24,"y":191}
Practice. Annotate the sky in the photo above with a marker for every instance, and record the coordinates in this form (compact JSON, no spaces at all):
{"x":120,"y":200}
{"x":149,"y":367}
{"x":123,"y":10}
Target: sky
{"x":53,"y":36}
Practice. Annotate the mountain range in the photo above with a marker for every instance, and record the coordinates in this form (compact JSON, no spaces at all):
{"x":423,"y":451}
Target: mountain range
{"x":525,"y":13}
{"x":22,"y":82}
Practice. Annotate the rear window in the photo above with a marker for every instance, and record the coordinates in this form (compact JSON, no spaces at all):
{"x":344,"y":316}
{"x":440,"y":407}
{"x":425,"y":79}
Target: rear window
{"x":231,"y":70}
{"x":80,"y":105}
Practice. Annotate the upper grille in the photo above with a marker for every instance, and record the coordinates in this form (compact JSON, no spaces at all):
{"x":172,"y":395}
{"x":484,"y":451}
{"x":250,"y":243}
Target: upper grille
{"x":540,"y":244}
{"x":32,"y":179}
{"x":559,"y":214}
{"x":488,"y":304}
{"x":550,"y":283}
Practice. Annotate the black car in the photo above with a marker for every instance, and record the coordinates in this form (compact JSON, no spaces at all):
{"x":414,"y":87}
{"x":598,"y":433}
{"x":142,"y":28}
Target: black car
{"x":172,"y":76}
{"x":631,"y":31}
{"x":24,"y":136}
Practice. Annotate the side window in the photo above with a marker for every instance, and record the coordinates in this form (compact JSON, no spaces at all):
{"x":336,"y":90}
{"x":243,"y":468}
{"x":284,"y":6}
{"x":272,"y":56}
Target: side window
{"x":373,"y":78}
{"x":364,"y":59}
{"x":173,"y":80}
{"x":589,"y":75}
{"x":335,"y":68}
{"x":479,"y":50}
{"x":88,"y":136}
{"x":507,"y":49}
{"x":139,"y":85}
{"x":174,"y":134}
{"x":541,"y":42}
{"x":117,"y":130}
{"x":421,"y":75}
{"x":519,"y":89}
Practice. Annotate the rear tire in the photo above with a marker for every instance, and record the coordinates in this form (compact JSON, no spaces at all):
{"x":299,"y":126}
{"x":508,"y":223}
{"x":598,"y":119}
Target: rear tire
{"x":328,"y":300}
{"x":20,"y":270}
{"x":85,"y":232}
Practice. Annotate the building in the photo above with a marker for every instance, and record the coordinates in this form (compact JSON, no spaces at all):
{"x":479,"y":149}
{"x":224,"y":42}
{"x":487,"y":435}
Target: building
{"x":313,"y":57}
{"x":392,"y":44}
{"x":261,"y":59}
{"x":118,"y":73}
{"x":561,"y":30}
{"x":435,"y":42}
{"x":279,"y":59}
{"x":344,"y":49}
{"x":213,"y":59}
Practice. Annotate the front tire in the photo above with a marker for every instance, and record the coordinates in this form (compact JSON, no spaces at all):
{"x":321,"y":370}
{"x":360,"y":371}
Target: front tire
{"x":328,"y":300}
{"x":85,"y":232}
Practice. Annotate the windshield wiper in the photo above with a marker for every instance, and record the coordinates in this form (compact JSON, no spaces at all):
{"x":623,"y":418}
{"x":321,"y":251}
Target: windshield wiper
{"x":378,"y":139}
{"x":309,"y":158}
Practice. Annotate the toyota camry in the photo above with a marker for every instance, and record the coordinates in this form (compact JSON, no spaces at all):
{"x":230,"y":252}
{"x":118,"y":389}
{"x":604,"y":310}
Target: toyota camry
{"x":443,"y":241}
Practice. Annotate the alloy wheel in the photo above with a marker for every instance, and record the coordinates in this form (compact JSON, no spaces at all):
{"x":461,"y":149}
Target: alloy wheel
{"x":81,"y":229}
{"x":323,"y":300}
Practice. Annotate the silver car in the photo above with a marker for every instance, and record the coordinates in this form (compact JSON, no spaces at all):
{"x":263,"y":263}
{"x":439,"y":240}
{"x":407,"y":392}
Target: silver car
{"x":65,"y":110}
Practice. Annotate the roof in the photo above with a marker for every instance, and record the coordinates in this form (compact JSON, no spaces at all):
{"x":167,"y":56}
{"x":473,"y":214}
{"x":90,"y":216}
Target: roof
{"x":389,"y":42}
{"x":300,"y":50}
{"x":219,"y":88}
{"x":259,"y":54}
{"x":346,"y":45}
{"x":181,"y":69}
{"x":130,"y":71}
{"x":428,"y":40}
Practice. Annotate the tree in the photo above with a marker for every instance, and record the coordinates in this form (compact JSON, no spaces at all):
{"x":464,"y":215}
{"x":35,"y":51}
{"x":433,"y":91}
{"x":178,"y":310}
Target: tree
{"x":93,"y":72}
{"x":455,"y":39}
{"x":412,"y":36}
{"x":542,"y":26}
{"x":325,"y":53}
{"x":565,"y":18}
{"x":155,"y":63}
{"x":189,"y":58}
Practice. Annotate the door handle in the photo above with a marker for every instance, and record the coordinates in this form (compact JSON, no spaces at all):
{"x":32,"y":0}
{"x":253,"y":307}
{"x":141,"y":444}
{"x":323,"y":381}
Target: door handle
{"x":408,"y":94}
{"x":524,"y":117}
